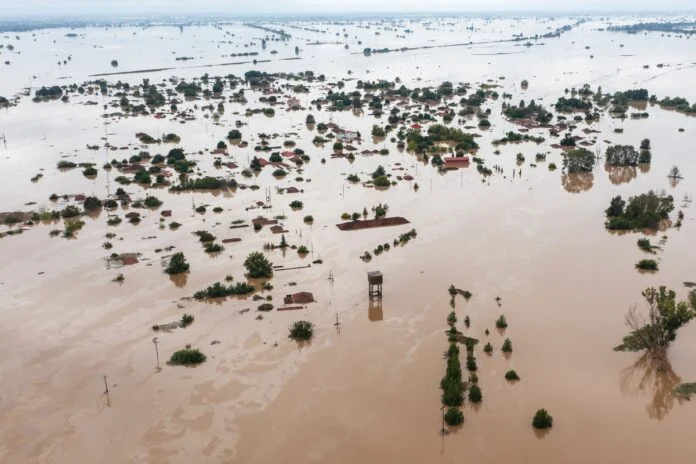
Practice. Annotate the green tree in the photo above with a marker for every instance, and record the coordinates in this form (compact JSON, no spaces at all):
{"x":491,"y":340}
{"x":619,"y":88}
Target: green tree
{"x":177,"y":264}
{"x":665,"y":317}
{"x":257,"y":265}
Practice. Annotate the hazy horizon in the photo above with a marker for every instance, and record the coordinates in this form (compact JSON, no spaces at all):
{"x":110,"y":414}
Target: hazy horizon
{"x":53,"y":8}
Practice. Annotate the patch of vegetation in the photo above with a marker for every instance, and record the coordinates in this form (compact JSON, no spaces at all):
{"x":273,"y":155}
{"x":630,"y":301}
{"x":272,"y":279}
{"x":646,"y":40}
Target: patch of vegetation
{"x":452,"y":318}
{"x":685,"y":390}
{"x":665,"y":317}
{"x":579,"y":160}
{"x":475,"y":395}
{"x":219,"y":290}
{"x":624,"y":155}
{"x":188,"y":356}
{"x":438,"y":133}
{"x":507,"y":346}
{"x":186,"y":320}
{"x":204,"y":236}
{"x":647,"y":265}
{"x":645,"y":245}
{"x":177,"y":264}
{"x":451,"y":384}
{"x":501,"y":322}
{"x":201,"y":183}
{"x":257,"y":265}
{"x":62,"y":164}
{"x":301,"y":330}
{"x":517,"y":137}
{"x":454,"y":416}
{"x":511,"y":376}
{"x":529,"y":111}
{"x":152,"y":202}
{"x":296,"y":204}
{"x":644,"y":211}
{"x":210,"y":247}
{"x":542,"y":419}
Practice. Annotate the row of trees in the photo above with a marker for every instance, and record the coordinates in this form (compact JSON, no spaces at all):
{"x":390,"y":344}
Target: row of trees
{"x":646,"y":210}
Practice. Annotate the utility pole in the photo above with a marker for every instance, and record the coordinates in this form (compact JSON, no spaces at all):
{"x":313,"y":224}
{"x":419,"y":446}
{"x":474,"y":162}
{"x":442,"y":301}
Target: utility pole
{"x":443,"y":430}
{"x":106,"y":392}
{"x":155,"y":342}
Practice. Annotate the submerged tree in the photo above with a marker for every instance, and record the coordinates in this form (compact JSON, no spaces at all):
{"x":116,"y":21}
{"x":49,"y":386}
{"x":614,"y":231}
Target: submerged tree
{"x":665,"y":317}
{"x":177,"y":264}
{"x":258,"y":266}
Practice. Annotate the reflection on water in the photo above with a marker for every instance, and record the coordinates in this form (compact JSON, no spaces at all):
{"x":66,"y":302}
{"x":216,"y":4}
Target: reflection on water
{"x":652,"y":375}
{"x":577,"y":182}
{"x":374,"y":312}
{"x":621,"y":174}
{"x":179,"y":280}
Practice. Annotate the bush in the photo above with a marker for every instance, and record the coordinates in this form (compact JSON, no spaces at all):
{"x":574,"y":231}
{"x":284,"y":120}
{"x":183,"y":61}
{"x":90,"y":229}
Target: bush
{"x":511,"y":376}
{"x":296,"y":204}
{"x":265,"y":307}
{"x":381,"y":181}
{"x":501,"y":323}
{"x":66,"y":164}
{"x":308,"y":220}
{"x":218,"y":290}
{"x":92,"y":204}
{"x":488,"y":348}
{"x":302,"y":250}
{"x":142,"y":177}
{"x":234,"y":134}
{"x":475,"y":395}
{"x":542,"y":419}
{"x":204,"y":236}
{"x":257,"y":265}
{"x":90,"y":171}
{"x":353,"y":178}
{"x":454,"y":416}
{"x":152,"y":202}
{"x":642,"y":211}
{"x":580,"y":160}
{"x":647,"y":265}
{"x":507,"y":346}
{"x":453,"y":394}
{"x":301,"y":330}
{"x":452,"y":318}
{"x":186,"y":320}
{"x":621,"y":155}
{"x":645,"y":245}
{"x":70,"y":212}
{"x":210,"y":247}
{"x":177,"y":264}
{"x":187,"y":356}
{"x":471,"y":363}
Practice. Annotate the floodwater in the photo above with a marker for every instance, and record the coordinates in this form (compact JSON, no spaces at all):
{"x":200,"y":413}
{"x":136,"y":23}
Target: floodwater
{"x":367,"y":390}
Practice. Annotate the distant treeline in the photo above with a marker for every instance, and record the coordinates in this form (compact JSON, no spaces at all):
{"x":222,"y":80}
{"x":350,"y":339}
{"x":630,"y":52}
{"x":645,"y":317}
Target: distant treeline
{"x":685,"y":27}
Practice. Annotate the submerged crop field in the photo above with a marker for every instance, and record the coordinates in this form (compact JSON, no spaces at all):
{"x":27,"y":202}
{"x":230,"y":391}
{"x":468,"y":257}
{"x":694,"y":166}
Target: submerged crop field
{"x":191,"y":210}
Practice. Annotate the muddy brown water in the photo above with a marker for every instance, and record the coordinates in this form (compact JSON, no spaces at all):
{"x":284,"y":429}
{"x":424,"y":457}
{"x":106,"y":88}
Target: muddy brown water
{"x":367,"y":390}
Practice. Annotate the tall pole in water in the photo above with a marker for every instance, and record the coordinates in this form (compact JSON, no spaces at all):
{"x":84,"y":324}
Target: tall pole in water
{"x":155,"y":342}
{"x":106,"y":392}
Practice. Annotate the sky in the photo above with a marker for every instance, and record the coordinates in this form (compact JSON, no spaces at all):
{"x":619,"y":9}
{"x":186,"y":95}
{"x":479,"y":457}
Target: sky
{"x":284,"y":7}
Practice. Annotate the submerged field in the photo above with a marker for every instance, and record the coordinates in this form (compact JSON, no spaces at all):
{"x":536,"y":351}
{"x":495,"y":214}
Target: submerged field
{"x":84,"y":290}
